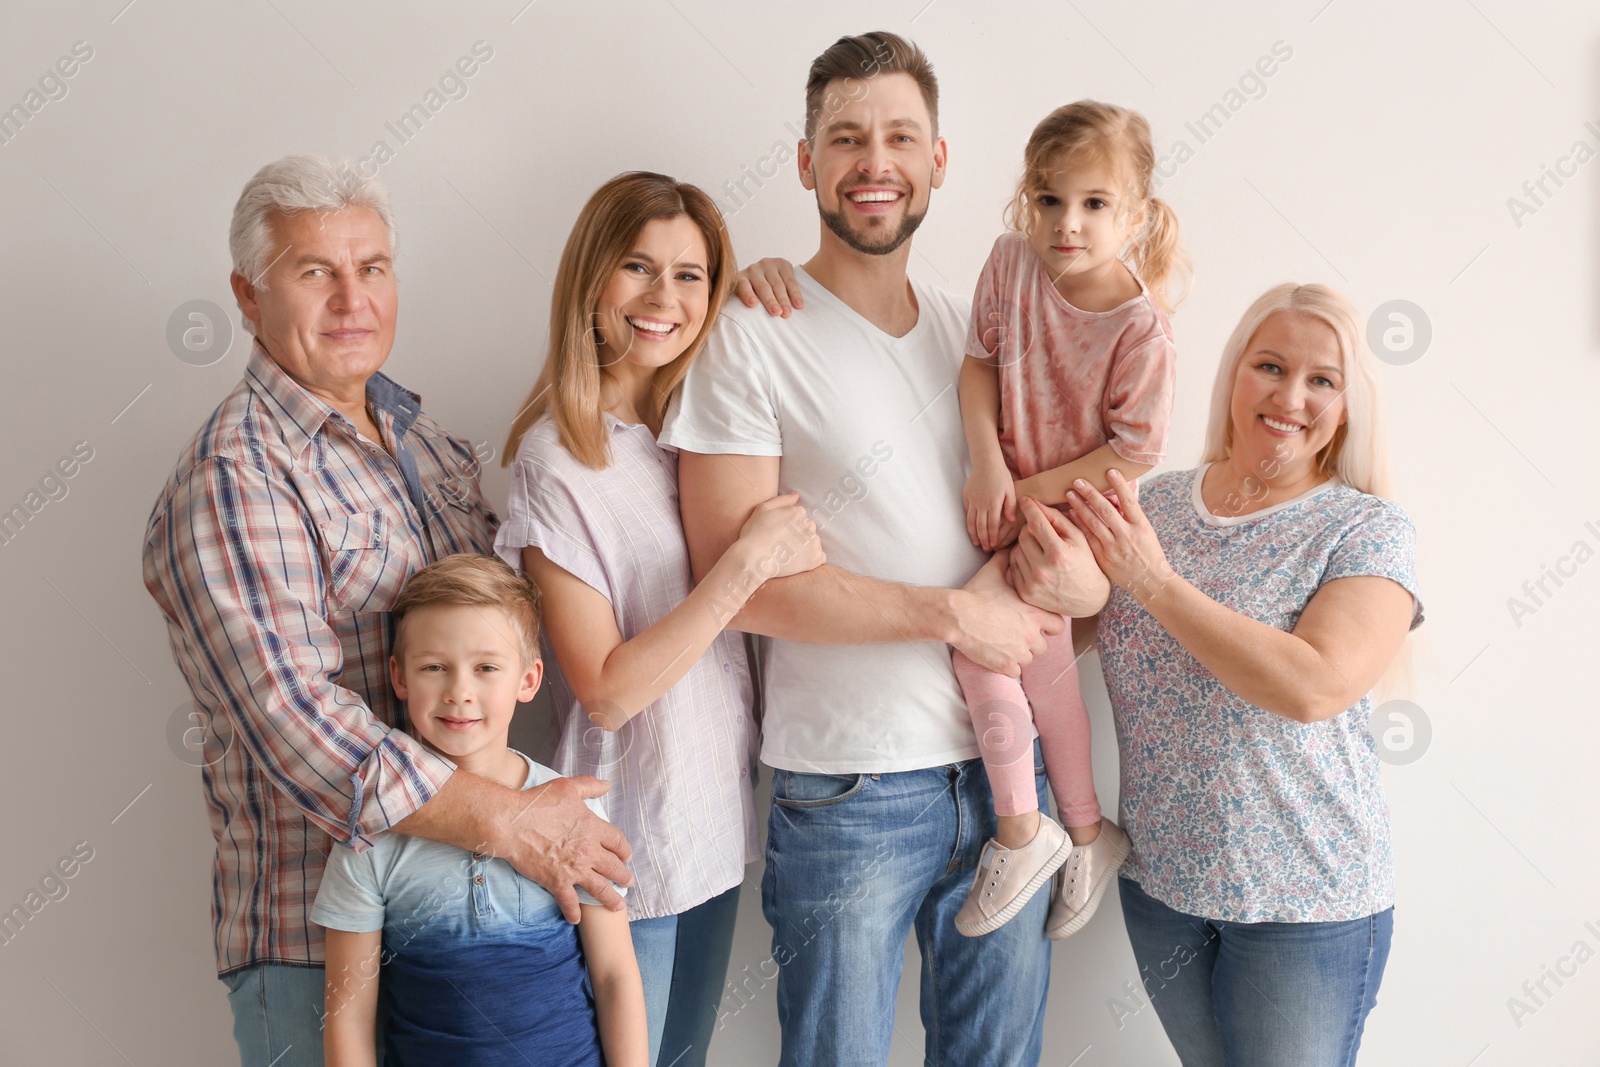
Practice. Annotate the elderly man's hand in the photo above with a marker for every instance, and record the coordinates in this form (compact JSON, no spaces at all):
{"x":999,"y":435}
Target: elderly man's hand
{"x":554,"y":839}
{"x":1052,"y":567}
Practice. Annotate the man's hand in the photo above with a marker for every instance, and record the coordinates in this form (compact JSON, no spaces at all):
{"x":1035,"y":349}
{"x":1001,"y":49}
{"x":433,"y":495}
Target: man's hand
{"x":554,"y":839}
{"x":994,"y":628}
{"x":1052,"y":566}
{"x":547,"y":833}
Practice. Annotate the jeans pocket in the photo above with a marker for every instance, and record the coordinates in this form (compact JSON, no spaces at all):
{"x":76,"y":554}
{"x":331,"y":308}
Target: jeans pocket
{"x":796,"y":789}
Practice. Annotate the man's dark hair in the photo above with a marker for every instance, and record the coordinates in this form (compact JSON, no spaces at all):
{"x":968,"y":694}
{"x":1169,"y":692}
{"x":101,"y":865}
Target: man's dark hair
{"x":866,"y":56}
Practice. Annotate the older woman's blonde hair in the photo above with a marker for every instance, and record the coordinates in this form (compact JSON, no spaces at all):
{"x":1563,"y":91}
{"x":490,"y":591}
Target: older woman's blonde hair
{"x":1358,"y":455}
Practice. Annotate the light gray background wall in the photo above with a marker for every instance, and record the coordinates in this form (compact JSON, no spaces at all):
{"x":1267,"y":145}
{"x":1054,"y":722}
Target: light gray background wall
{"x":1379,"y":157}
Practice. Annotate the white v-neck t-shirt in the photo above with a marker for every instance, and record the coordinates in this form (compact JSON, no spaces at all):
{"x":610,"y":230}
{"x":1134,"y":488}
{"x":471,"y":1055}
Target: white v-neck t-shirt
{"x":868,"y":431}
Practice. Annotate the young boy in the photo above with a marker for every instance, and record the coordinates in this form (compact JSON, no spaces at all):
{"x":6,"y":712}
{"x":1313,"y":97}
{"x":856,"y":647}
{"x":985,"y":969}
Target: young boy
{"x":477,"y":964}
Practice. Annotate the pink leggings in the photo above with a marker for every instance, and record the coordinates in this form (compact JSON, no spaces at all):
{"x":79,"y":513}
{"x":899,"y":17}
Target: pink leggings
{"x":999,"y":709}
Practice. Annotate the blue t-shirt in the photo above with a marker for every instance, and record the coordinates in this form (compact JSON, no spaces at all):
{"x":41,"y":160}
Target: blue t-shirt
{"x":1235,"y":812}
{"x":478,"y":965}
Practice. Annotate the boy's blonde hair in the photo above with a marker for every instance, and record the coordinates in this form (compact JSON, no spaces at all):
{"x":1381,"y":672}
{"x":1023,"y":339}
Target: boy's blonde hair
{"x":1089,"y":133}
{"x":471,"y":580}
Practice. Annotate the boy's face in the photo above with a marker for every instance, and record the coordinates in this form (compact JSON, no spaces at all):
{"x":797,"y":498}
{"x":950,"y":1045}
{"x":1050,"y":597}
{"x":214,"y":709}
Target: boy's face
{"x":462,"y":677}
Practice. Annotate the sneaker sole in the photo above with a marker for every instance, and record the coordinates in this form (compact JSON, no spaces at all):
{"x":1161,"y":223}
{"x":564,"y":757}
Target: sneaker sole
{"x":1020,"y":901}
{"x":1077,"y":922}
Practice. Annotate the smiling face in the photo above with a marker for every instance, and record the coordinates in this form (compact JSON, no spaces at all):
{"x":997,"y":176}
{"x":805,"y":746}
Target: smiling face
{"x":655,"y":304}
{"x":1288,"y":392}
{"x":326,"y":313}
{"x":1084,"y":221}
{"x":461,"y":673}
{"x":873,"y":164}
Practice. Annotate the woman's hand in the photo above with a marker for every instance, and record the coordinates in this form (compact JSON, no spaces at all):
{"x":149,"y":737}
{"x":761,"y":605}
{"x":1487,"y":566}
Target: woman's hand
{"x":1123,"y":542}
{"x":780,"y":538}
{"x":991,"y":501}
{"x":770,"y":282}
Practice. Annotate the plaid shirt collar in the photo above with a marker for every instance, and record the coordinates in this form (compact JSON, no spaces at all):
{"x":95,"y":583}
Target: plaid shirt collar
{"x":301,"y":415}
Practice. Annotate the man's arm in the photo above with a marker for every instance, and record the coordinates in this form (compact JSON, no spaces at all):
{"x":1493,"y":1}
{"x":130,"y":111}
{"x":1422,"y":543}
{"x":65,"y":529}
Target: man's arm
{"x":547,"y":833}
{"x":828,"y":605}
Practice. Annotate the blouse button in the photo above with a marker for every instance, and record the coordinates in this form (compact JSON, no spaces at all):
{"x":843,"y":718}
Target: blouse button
{"x":726,"y":668}
{"x":477,"y":879}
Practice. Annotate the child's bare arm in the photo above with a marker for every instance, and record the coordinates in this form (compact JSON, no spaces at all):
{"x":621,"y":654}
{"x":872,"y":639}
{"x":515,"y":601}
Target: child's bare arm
{"x":1050,"y":487}
{"x":350,"y":998}
{"x":618,"y":990}
{"x":990,"y":496}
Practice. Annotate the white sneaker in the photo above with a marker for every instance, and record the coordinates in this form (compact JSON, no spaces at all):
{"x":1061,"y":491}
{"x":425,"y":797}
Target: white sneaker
{"x":1084,"y":878}
{"x":1009,"y":877}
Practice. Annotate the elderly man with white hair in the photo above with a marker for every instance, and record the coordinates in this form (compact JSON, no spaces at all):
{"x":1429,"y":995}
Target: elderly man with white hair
{"x":287,"y":529}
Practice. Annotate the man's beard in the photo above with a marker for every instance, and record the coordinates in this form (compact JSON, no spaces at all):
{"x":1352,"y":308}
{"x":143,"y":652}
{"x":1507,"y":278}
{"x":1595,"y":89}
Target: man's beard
{"x":883,"y":245}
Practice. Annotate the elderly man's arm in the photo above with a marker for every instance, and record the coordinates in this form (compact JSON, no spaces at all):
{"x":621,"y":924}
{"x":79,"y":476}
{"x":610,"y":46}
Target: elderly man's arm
{"x":233,"y":562}
{"x":828,"y":605}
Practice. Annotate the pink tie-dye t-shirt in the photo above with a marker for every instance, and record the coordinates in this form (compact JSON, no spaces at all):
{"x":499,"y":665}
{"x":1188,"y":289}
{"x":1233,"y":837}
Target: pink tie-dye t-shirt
{"x":1070,"y":380}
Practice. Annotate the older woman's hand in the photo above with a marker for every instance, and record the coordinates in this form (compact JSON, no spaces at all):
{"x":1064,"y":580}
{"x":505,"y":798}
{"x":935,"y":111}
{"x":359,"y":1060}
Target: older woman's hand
{"x":1052,"y":567}
{"x":1123,"y":543}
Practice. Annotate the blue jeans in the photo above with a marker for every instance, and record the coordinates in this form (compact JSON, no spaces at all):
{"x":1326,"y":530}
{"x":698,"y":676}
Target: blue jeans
{"x":854,"y":862}
{"x":1257,"y":994}
{"x":277,"y":1015}
{"x":683,"y":960}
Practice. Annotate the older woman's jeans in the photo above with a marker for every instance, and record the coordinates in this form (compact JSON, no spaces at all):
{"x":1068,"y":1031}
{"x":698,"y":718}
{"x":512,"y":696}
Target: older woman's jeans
{"x":1257,"y":994}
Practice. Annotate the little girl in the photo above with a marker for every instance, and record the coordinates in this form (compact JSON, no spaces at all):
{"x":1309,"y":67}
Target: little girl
{"x":1069,"y":373}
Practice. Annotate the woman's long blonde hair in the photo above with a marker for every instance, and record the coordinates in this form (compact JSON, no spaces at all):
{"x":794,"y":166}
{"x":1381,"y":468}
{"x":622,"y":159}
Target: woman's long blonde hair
{"x":569,"y":386}
{"x":1089,"y":133}
{"x":1358,"y":455}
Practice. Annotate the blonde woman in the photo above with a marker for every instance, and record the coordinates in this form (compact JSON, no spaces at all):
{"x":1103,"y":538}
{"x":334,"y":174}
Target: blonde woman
{"x":1257,"y":600}
{"x":650,"y":693}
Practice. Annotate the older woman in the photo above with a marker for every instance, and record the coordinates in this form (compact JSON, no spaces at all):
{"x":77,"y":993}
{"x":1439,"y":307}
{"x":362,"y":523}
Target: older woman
{"x":1257,"y":601}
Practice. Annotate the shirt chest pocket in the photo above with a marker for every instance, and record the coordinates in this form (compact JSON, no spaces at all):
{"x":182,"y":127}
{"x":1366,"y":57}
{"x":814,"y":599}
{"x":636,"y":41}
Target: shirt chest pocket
{"x":459,"y":514}
{"x":363,"y":571}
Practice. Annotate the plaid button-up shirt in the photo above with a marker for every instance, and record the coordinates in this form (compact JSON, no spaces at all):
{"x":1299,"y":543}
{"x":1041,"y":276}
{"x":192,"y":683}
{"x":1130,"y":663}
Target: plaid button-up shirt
{"x":275,"y":551}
